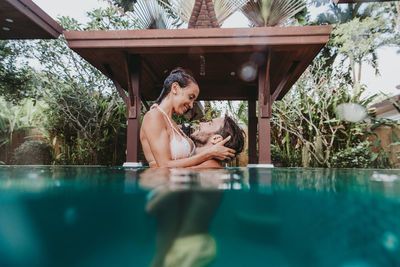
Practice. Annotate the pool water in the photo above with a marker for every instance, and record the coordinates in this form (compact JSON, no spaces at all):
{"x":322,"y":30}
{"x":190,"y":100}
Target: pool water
{"x":99,"y":216}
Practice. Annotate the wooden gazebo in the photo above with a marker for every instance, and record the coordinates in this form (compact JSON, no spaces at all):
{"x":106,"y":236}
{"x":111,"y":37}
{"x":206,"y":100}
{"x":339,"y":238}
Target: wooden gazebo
{"x":137,"y":60}
{"x":23,"y":19}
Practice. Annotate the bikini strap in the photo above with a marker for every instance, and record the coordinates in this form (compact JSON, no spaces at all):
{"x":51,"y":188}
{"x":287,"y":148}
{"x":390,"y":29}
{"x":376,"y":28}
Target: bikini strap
{"x":180,"y":132}
{"x":184,"y":135}
{"x":169,"y":120}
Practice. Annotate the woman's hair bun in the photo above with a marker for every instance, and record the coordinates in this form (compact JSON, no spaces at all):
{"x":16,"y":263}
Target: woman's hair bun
{"x":181,"y":70}
{"x":180,"y":75}
{"x":177,"y":69}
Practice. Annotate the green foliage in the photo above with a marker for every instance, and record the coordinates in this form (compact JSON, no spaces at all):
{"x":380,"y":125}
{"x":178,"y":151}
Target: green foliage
{"x":367,"y":24}
{"x":337,"y":14}
{"x":109,"y":19}
{"x":126,"y":5}
{"x":181,"y":119}
{"x":33,"y":153}
{"x":358,"y":41}
{"x":239,"y":110}
{"x":16,"y":77}
{"x":305,"y":121}
{"x":283,"y":159}
{"x":211,"y":111}
{"x":359,"y":156}
{"x":84,"y":113}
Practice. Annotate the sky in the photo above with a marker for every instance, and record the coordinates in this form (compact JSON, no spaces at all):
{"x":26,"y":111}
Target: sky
{"x":388,"y":58}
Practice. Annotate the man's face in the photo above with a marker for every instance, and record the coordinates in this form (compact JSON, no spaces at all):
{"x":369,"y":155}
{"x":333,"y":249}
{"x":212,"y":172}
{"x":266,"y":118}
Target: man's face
{"x":206,"y":130}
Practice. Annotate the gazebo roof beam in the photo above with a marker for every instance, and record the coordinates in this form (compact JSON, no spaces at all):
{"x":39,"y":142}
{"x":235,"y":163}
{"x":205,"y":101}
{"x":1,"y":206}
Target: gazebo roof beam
{"x":223,"y":53}
{"x":359,"y":1}
{"x":23,"y":19}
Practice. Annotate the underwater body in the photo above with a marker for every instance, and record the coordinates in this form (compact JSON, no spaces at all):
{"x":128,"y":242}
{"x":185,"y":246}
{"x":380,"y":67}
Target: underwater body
{"x":102,"y":216}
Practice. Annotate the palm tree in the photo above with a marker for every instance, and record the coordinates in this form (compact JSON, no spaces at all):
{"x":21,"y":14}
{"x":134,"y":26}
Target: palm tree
{"x":188,"y":10}
{"x":151,"y":15}
{"x":259,"y":12}
{"x":263,"y":13}
{"x":148,"y":11}
{"x":126,"y":5}
{"x":344,"y":14}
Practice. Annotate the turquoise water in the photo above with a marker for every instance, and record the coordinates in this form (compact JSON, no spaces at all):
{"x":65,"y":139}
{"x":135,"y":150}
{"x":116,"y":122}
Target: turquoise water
{"x":95,"y":216}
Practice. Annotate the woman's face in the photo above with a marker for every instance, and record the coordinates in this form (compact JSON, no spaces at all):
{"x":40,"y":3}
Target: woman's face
{"x":184,"y":97}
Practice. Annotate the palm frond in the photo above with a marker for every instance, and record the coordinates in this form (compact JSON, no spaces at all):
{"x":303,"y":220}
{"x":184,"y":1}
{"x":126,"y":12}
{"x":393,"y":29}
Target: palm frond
{"x":182,"y":8}
{"x":271,"y":12}
{"x":151,"y":15}
{"x":126,"y":5}
{"x":223,"y":8}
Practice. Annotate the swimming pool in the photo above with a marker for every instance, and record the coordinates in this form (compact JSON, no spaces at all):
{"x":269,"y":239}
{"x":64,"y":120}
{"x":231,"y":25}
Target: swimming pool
{"x":99,"y":216}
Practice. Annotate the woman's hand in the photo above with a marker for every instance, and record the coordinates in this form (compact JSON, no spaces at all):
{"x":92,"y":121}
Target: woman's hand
{"x":220,"y":152}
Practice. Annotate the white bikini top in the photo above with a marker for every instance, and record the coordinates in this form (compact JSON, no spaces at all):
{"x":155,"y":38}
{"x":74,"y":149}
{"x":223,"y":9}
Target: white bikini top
{"x":180,"y":148}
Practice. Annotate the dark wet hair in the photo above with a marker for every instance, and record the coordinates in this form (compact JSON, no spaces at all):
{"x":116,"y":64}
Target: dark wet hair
{"x":179,"y":75}
{"x":237,"y":135}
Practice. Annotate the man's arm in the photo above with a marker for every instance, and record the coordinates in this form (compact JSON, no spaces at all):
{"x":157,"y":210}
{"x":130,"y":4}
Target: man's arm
{"x":212,"y":163}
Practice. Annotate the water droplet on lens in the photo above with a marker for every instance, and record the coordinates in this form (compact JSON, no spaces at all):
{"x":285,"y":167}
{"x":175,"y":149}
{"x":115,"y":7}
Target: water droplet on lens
{"x":390,"y":241}
{"x":32,"y":175}
{"x":356,"y":263}
{"x":70,"y":215}
{"x":351,"y":112}
{"x":237,"y":186}
{"x":248,"y":72}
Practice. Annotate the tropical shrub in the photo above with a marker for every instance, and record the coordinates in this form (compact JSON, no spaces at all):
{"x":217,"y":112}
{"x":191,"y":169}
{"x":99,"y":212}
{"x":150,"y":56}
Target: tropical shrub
{"x":281,"y":159}
{"x":33,"y":152}
{"x":18,"y":118}
{"x":359,"y":156}
{"x":306,"y":122}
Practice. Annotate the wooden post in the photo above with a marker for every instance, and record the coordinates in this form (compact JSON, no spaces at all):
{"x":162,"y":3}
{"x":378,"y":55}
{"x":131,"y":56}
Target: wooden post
{"x":133,"y":108}
{"x":264,"y":113}
{"x":252,"y":130}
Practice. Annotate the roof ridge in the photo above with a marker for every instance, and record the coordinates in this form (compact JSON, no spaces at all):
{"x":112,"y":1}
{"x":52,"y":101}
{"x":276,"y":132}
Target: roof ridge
{"x":203,"y":15}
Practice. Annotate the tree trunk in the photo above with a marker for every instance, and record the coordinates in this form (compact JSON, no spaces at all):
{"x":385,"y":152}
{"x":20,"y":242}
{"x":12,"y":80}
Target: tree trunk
{"x":352,"y":65}
{"x":397,"y":18}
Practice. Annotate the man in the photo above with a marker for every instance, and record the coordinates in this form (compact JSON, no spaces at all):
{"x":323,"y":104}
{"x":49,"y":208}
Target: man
{"x":211,"y":132}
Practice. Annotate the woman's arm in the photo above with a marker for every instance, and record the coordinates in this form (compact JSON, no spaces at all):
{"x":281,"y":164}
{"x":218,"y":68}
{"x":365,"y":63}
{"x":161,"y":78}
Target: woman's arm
{"x":155,"y":129}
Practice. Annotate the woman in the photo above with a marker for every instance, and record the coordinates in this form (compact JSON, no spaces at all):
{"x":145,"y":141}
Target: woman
{"x":164,"y":144}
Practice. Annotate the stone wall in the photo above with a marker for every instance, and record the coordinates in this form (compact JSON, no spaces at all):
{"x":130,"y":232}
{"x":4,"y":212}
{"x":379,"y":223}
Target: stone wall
{"x":386,"y":135}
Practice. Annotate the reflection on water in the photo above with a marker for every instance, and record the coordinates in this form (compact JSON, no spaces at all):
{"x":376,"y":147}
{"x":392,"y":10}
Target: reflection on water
{"x":184,"y":204}
{"x":98,"y":216}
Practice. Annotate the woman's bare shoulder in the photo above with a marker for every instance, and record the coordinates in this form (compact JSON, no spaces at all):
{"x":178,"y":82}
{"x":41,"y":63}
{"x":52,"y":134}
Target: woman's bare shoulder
{"x":153,"y":118}
{"x":152,"y":114}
